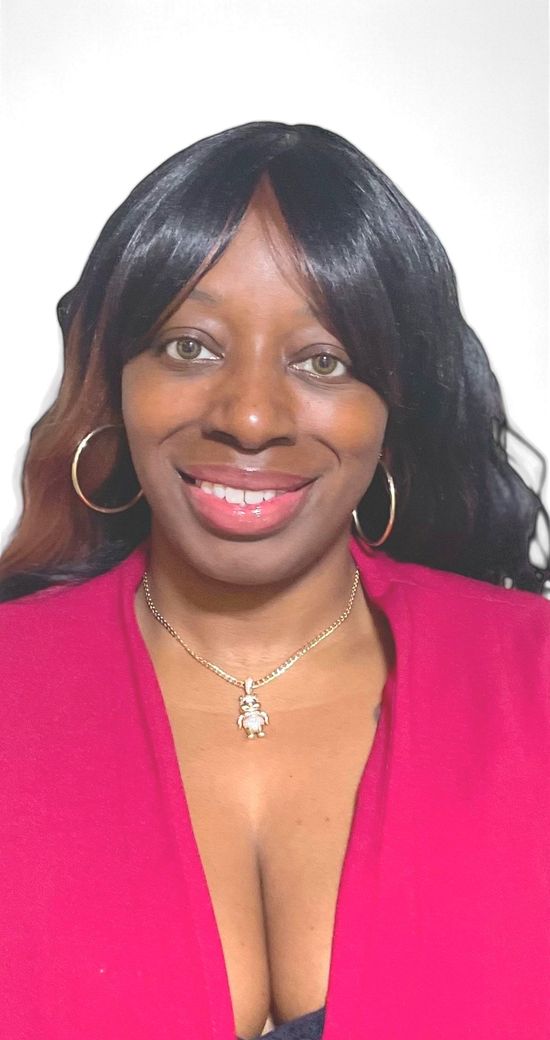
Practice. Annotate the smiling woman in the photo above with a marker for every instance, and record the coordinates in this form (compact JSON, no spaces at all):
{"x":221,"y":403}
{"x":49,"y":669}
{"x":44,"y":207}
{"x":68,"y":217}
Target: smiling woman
{"x":362,"y":280}
{"x":267,"y":379}
{"x":244,"y":390}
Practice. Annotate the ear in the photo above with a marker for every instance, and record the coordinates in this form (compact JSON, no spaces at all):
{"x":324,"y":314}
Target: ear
{"x":386,"y":457}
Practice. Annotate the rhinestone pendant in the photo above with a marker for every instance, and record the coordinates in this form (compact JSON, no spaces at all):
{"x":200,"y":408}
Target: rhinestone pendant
{"x":251,"y":719}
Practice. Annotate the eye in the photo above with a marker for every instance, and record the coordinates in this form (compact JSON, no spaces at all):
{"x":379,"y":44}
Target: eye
{"x":186,"y":348}
{"x":324,"y":364}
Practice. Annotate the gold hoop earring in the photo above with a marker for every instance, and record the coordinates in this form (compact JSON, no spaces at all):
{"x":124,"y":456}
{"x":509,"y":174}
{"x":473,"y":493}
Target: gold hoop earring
{"x":74,"y":474}
{"x":391,"y":520}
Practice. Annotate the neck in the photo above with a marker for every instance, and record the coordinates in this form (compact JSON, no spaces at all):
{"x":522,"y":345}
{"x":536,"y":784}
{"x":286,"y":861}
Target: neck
{"x":252,"y":627}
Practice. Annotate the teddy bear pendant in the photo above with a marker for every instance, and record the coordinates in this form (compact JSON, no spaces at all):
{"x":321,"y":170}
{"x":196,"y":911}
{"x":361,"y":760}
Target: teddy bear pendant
{"x":251,"y":719}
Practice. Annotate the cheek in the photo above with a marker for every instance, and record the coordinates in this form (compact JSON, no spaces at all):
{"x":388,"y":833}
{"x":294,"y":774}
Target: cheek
{"x":351,"y":425}
{"x":354,"y":426}
{"x":152,"y":406}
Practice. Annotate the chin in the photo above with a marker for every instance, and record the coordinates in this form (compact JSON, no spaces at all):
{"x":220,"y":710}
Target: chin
{"x":235,"y":561}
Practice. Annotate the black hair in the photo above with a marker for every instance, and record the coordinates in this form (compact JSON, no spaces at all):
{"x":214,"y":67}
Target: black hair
{"x":385,"y":286}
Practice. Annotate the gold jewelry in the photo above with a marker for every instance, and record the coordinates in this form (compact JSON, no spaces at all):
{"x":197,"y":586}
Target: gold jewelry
{"x":74,"y":475}
{"x":391,"y":520}
{"x":252,"y":718}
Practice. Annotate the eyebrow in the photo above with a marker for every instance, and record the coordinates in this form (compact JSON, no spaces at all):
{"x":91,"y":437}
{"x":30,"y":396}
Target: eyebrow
{"x":200,"y":294}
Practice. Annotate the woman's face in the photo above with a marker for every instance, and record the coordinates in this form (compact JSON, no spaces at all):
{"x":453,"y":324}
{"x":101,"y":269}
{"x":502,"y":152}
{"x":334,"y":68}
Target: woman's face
{"x":244,"y":388}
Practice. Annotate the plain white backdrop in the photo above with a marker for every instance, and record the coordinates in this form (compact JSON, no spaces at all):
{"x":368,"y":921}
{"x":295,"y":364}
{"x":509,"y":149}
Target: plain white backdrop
{"x":449,"y":97}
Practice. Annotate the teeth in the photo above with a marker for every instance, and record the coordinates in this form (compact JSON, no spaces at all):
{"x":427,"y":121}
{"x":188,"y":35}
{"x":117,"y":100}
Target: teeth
{"x":234,"y":495}
{"x":237,"y":496}
{"x":253,"y":498}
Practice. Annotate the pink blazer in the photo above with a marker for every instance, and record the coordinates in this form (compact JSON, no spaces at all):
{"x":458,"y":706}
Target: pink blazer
{"x":442,"y":928}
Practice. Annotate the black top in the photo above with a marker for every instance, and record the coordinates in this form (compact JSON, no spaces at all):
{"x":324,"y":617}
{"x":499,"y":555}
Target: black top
{"x":306,"y":1027}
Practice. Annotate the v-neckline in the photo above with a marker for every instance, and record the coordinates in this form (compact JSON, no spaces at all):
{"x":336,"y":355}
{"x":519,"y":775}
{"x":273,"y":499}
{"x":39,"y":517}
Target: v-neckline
{"x":375,"y":581}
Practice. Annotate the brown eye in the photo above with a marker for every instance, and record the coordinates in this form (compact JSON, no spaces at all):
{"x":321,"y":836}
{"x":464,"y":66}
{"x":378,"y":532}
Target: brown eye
{"x":324,"y":364}
{"x":186,"y":348}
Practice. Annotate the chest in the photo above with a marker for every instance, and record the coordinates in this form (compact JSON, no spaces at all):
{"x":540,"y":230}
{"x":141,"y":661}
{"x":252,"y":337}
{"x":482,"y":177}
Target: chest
{"x":271,"y":819}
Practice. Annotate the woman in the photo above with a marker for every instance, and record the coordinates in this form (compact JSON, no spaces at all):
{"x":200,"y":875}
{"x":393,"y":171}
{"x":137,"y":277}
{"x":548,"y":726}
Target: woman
{"x":264,"y":344}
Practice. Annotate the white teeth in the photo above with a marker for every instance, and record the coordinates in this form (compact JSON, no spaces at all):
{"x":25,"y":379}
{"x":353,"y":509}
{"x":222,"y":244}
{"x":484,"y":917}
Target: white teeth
{"x":234,"y":495}
{"x":253,"y":498}
{"x":237,"y":496}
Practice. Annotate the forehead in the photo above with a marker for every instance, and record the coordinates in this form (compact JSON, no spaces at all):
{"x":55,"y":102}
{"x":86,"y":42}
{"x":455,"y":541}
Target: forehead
{"x":218,"y":300}
{"x":257,"y":268}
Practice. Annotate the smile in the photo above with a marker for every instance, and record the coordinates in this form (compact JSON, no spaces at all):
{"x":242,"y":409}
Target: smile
{"x":234,"y":510}
{"x":237,"y":496}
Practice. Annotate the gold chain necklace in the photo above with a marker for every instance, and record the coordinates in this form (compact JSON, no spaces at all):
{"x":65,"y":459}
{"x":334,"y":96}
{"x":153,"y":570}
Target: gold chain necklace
{"x":251,"y":719}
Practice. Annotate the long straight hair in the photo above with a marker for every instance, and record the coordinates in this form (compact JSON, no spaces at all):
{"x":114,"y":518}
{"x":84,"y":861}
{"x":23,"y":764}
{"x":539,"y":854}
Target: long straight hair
{"x":385,"y":286}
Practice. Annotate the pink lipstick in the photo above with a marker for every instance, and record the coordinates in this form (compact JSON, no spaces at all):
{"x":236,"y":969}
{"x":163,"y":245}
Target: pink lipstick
{"x":247,"y":502}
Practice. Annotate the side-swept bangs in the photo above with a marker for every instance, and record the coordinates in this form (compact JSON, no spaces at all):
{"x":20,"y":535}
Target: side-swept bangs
{"x":380,"y":281}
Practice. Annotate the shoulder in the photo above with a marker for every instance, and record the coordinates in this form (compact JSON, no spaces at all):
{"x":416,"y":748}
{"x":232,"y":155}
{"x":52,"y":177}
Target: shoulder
{"x":483,"y":642}
{"x":78,"y":612}
{"x":499,"y":633}
{"x":471,"y":636}
{"x":418,"y":580}
{"x":471,"y":593}
{"x":40,"y":634}
{"x":54,"y":602}
{"x":457,"y":609}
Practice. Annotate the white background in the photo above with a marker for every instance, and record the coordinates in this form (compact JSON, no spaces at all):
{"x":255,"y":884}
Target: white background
{"x":449,"y":97}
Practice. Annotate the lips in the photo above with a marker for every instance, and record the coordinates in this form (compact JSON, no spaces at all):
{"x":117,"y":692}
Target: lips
{"x":247,"y":479}
{"x":243,"y":519}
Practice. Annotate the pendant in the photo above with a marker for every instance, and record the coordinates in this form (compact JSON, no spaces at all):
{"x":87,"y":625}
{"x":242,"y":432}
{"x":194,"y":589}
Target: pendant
{"x":251,"y":719}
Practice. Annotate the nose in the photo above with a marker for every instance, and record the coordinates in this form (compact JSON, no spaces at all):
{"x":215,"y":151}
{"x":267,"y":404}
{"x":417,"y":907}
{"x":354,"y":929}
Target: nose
{"x":252,"y":404}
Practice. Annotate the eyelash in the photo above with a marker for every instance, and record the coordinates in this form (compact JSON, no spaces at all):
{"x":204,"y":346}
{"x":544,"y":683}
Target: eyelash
{"x":163,"y":349}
